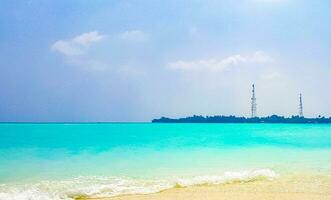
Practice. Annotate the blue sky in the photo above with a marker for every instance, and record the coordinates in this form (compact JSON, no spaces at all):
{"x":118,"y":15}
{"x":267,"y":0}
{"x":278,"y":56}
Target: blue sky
{"x":133,"y":60}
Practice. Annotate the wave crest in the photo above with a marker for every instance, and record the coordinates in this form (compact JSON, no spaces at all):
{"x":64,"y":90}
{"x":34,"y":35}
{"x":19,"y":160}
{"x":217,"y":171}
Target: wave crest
{"x":114,"y":186}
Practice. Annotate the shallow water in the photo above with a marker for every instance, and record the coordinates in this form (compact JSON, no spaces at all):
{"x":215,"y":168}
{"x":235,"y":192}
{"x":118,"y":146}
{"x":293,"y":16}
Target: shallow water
{"x":59,"y":161}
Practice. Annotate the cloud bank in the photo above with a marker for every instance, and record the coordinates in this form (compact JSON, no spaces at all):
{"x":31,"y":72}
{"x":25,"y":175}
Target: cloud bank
{"x":219,"y":65}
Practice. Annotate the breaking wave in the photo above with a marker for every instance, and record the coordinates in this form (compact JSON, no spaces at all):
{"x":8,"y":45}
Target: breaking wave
{"x":114,"y":186}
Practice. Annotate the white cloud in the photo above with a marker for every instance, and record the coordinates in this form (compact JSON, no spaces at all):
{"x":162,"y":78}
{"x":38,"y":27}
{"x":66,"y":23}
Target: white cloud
{"x":66,"y":48}
{"x":219,"y":65}
{"x":75,"y":51}
{"x":133,"y":35}
{"x":88,"y":38}
{"x":76,"y":45}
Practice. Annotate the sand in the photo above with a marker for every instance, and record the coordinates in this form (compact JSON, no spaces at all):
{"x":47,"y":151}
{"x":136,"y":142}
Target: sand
{"x":285,"y":188}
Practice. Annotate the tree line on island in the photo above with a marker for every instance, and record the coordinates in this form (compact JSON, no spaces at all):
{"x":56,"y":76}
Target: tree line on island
{"x":234,"y":119}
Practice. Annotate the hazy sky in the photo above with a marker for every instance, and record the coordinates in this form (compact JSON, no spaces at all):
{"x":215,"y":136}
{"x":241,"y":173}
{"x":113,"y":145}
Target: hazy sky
{"x":134,"y":60}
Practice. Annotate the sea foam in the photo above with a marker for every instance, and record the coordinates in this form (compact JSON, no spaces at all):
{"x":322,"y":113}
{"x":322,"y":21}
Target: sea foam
{"x":114,"y":186}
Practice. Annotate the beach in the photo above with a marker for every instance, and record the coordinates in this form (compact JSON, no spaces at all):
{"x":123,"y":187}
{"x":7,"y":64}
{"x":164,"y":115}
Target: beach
{"x":285,"y":188}
{"x":165,"y":100}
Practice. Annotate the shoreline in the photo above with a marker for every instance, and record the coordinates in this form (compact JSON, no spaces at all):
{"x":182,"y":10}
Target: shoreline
{"x":285,"y":188}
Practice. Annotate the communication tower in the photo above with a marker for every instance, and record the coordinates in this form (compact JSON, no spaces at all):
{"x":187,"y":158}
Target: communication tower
{"x":253,"y":103}
{"x":300,"y":106}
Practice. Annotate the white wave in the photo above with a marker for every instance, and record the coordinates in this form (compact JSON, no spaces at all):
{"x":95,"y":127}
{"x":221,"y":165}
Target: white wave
{"x":229,"y":177}
{"x":114,"y":186}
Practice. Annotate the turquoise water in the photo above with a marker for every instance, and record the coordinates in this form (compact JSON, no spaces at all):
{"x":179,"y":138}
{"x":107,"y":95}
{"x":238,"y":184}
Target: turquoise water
{"x":41,"y":161}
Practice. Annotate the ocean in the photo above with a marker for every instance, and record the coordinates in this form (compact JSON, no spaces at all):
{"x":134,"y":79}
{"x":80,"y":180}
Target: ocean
{"x":68,"y":161}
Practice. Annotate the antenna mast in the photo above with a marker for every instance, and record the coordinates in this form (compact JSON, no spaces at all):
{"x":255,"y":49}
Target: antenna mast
{"x":253,"y":103}
{"x":300,"y":106}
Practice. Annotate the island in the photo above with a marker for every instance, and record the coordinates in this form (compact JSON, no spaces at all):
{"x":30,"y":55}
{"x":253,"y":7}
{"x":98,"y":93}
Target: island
{"x":235,"y":119}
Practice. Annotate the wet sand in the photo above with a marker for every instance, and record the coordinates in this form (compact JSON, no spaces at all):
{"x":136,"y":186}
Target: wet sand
{"x":286,"y":188}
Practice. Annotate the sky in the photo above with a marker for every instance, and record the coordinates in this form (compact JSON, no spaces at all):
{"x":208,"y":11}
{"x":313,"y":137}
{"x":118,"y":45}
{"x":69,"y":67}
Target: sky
{"x":130,"y":60}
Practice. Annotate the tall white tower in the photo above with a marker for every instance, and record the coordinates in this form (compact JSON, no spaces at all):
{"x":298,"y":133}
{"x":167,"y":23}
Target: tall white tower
{"x":253,"y":103}
{"x":300,"y":106}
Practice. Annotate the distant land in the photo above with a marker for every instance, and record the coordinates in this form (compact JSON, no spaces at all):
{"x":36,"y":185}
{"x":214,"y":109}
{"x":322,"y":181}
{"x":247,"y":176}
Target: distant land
{"x":234,"y":119}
